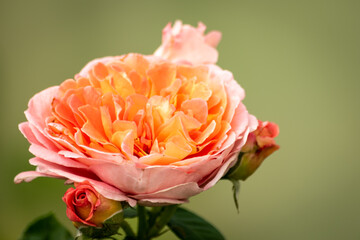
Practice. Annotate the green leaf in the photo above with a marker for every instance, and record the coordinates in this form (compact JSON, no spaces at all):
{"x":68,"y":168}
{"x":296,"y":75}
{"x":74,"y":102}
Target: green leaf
{"x":46,"y":228}
{"x":189,"y":226}
{"x":110,"y":227}
{"x":130,"y":212}
{"x":129,"y":238}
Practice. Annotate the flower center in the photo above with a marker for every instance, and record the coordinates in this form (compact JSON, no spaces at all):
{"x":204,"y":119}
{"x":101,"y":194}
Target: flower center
{"x":155,"y":111}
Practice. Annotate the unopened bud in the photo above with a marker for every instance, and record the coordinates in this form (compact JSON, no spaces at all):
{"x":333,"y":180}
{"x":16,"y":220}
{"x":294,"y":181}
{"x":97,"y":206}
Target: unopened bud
{"x":86,"y":206}
{"x":259,"y":145}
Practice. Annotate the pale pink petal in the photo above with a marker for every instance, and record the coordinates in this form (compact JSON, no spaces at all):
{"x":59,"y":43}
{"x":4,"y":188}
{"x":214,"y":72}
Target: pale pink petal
{"x":78,"y":175}
{"x":253,"y":123}
{"x":31,"y":175}
{"x":39,"y":107}
{"x":27,"y":132}
{"x":221,"y":171}
{"x":158,"y":202}
{"x":54,"y":157}
{"x":180,"y":192}
{"x":132,"y":179}
{"x":91,"y":64}
{"x":213,"y":38}
{"x":240,"y":120}
{"x":34,"y":136}
{"x":186,"y":44}
{"x":103,"y":157}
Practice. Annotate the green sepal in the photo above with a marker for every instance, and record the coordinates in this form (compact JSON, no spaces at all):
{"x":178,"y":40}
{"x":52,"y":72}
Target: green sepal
{"x":187,"y":225}
{"x":230,"y":174}
{"x":46,"y":228}
{"x":110,"y":227}
{"x":130,"y":212}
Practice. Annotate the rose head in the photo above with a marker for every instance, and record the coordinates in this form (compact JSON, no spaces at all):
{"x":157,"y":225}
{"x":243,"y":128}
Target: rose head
{"x":156,"y":129}
{"x":86,"y":206}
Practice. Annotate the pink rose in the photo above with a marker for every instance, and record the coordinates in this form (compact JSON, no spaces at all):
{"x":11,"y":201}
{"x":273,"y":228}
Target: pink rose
{"x":156,"y":129}
{"x":86,"y":206}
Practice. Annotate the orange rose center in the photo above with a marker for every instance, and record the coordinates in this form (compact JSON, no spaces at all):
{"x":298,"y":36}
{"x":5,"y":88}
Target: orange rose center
{"x":154,"y":111}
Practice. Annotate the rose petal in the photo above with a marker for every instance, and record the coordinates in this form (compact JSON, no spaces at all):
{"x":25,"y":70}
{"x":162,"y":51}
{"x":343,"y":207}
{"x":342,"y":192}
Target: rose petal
{"x":184,"y":43}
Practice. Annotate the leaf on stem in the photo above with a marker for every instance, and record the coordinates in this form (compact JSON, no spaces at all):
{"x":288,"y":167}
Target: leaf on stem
{"x":46,"y":228}
{"x":189,"y":226}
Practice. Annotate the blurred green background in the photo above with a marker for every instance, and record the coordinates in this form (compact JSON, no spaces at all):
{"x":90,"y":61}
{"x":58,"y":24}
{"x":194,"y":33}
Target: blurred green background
{"x":299,"y":62}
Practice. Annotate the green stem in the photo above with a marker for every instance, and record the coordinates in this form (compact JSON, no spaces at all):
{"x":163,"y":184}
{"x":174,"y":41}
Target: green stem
{"x":127,"y":229}
{"x":153,"y":215}
{"x":162,"y":220}
{"x":142,"y":223}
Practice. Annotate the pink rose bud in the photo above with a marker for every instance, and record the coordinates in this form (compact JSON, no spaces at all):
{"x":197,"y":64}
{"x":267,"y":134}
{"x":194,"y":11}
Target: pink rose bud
{"x":86,"y":206}
{"x":259,"y":145}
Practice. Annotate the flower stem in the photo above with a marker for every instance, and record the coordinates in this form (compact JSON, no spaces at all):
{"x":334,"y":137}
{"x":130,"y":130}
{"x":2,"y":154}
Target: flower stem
{"x":162,"y":220}
{"x":142,"y":223}
{"x":127,"y":229}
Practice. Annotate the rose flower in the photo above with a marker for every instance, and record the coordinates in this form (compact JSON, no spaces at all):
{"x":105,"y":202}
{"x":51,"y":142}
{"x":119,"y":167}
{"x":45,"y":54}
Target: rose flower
{"x":156,"y":129}
{"x":85,"y":206}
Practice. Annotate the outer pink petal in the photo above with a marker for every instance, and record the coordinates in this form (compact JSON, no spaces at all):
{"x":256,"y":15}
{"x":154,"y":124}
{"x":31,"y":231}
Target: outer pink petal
{"x":91,"y":64}
{"x":173,"y":195}
{"x":181,"y":182}
{"x":39,"y":107}
{"x":240,"y":120}
{"x":217,"y":175}
{"x":227,"y":77}
{"x":134,"y":180}
{"x":253,"y":123}
{"x":31,"y":175}
{"x":150,"y":180}
{"x":43,"y":138}
{"x":186,"y":44}
{"x":46,"y":168}
{"x":54,"y":157}
{"x":213,"y":38}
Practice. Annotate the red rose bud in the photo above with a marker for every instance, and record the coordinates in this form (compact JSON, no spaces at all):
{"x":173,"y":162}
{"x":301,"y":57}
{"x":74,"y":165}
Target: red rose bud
{"x":86,"y":206}
{"x":259,"y":145}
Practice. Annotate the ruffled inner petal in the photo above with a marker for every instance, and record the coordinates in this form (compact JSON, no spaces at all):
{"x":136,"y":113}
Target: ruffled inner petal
{"x":145,"y":109}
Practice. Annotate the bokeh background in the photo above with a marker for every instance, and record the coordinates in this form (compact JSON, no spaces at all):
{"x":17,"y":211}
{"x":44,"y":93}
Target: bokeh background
{"x":299,"y":62}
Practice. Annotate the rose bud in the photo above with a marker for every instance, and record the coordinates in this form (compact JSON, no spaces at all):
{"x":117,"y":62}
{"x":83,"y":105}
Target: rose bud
{"x":259,"y":145}
{"x":86,"y":206}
